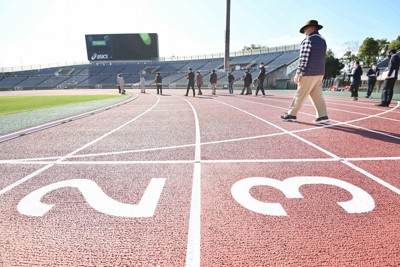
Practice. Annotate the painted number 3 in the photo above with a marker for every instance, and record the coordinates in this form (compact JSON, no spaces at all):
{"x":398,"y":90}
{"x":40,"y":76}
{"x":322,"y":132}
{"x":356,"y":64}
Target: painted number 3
{"x":360,"y":203}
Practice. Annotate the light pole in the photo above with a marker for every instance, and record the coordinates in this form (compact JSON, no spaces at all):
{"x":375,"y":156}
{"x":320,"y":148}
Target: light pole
{"x":227,"y":35}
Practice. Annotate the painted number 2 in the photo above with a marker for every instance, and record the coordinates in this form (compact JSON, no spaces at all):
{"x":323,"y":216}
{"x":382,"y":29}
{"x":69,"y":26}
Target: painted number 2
{"x":360,"y":203}
{"x":31,"y":204}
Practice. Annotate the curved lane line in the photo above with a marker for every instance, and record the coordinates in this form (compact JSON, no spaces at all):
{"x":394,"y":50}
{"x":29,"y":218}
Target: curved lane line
{"x":349,"y":164}
{"x":227,"y":140}
{"x":32,"y":175}
{"x":52,"y":124}
{"x":194,"y":236}
{"x":130,"y":162}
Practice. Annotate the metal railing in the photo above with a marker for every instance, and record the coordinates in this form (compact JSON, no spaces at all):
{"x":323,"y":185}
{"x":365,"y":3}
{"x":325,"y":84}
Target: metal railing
{"x":264,"y":50}
{"x":42,"y":66}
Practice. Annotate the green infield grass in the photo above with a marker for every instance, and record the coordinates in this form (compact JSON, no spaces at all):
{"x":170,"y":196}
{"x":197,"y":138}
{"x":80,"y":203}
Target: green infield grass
{"x":15,"y":104}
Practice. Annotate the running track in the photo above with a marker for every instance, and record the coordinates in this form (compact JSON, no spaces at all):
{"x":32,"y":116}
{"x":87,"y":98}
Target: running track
{"x":206,"y":181}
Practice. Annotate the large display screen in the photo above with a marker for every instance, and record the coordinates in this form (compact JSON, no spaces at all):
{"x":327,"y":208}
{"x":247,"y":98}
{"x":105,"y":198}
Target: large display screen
{"x":133,"y":46}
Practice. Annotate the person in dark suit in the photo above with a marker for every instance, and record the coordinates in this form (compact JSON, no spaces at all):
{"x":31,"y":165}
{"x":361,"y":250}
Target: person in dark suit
{"x":158,"y":81}
{"x":213,"y":81}
{"x":248,"y":79}
{"x":199,"y":82}
{"x":390,"y":80}
{"x":261,"y":77}
{"x":356,"y":81}
{"x":190,"y":80}
{"x":231,"y":80}
{"x":372,"y":74}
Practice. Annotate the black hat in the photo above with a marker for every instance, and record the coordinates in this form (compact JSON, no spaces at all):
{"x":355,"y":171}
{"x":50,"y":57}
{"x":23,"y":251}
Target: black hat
{"x":393,"y":51}
{"x":311,"y":23}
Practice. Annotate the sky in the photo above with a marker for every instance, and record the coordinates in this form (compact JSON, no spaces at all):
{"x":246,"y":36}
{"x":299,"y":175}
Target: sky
{"x":36,"y":32}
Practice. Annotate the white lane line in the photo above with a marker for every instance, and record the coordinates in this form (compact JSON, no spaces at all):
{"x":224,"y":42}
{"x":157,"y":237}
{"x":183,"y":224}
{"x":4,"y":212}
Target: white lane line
{"x":372,"y":177}
{"x":26,"y":178}
{"x":367,"y":116}
{"x":52,"y":124}
{"x":212,"y":161}
{"x":30,"y":176}
{"x":372,"y":159}
{"x":364,"y":172}
{"x":229,"y":140}
{"x":283,"y":130}
{"x":360,"y":104}
{"x":102,"y":154}
{"x":194,"y":235}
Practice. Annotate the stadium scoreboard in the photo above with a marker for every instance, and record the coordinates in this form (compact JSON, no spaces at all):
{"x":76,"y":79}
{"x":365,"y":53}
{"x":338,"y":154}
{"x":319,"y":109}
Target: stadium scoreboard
{"x":134,"y":46}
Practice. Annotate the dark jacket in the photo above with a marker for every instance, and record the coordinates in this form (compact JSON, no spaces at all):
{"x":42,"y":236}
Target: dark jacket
{"x":213,"y":78}
{"x":190,"y":78}
{"x":372,"y":74}
{"x":199,"y":79}
{"x":357,"y":76}
{"x":248,"y":79}
{"x":231,"y":79}
{"x":261,"y":75}
{"x":394,"y":64}
{"x":158,"y":79}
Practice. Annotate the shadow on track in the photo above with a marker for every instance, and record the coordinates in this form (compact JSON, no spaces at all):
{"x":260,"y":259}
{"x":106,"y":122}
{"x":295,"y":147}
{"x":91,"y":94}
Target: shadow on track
{"x":393,"y":138}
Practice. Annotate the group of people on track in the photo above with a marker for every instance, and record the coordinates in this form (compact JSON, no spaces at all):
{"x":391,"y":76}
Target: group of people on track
{"x":197,"y":80}
{"x":308,"y":77}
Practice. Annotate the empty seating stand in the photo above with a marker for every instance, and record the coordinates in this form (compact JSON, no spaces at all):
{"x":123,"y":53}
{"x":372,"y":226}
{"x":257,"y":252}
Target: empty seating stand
{"x":104,"y":75}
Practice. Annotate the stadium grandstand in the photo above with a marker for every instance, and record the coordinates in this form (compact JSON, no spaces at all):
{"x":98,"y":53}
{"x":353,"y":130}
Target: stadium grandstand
{"x":280,"y":63}
{"x":173,"y":70}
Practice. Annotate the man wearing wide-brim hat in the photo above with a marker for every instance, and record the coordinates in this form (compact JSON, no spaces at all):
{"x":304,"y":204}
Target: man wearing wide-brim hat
{"x":309,"y":74}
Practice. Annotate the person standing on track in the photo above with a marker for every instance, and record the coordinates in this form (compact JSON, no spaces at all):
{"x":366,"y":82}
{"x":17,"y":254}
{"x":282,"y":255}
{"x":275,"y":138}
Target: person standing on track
{"x":390,"y":80}
{"x":121,"y":84}
{"x":158,"y":81}
{"x":310,"y":73}
{"x":231,"y":80}
{"x":199,"y":82}
{"x":261,"y":77}
{"x":247,"y":79}
{"x":356,"y":80}
{"x":190,"y":81}
{"x":372,"y":74}
{"x":142,"y":84}
{"x":213,"y":81}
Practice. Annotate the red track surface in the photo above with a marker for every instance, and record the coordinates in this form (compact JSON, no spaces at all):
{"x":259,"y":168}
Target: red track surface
{"x":198,"y":152}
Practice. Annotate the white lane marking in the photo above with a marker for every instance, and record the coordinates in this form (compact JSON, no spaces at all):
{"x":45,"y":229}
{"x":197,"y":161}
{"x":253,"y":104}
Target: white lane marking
{"x":354,"y":167}
{"x":360,"y":203}
{"x":26,"y":178}
{"x":283,"y":130}
{"x":367,"y":116}
{"x":232,"y":140}
{"x":194,"y":235}
{"x":31,"y":204}
{"x":61,"y":121}
{"x":212,"y":161}
{"x":30,"y":176}
{"x":372,"y":177}
{"x":369,"y":107}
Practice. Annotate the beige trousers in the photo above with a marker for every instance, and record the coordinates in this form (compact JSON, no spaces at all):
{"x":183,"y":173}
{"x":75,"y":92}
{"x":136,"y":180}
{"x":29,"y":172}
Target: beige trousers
{"x":309,"y":86}
{"x":213,"y":87}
